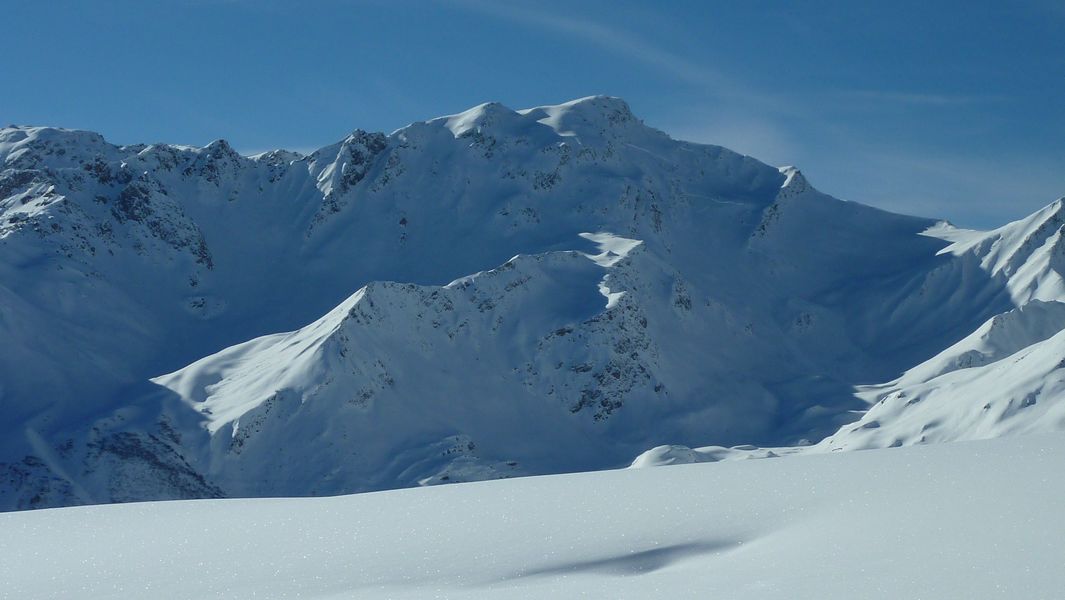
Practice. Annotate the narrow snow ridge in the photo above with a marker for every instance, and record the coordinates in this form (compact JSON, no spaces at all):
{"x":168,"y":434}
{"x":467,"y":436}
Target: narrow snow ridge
{"x":592,"y":116}
{"x":592,"y":113}
{"x":612,"y":248}
{"x":1028,"y":253}
{"x":482,"y":115}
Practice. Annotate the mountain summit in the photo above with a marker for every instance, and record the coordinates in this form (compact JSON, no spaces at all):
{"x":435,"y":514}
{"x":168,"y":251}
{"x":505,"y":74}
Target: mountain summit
{"x":482,"y":295}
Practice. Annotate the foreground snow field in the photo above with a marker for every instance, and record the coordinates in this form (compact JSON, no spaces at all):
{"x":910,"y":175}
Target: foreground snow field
{"x":965,"y":520}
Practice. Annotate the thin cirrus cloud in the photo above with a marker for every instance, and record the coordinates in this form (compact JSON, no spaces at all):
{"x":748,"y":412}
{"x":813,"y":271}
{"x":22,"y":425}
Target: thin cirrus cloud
{"x":813,"y":128}
{"x":726,"y":90}
{"x":758,"y":136}
{"x":614,"y":40}
{"x":712,"y":81}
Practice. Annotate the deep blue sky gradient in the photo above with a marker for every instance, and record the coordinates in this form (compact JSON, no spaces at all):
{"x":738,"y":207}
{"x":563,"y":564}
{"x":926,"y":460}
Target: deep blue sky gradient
{"x":945,"y":109}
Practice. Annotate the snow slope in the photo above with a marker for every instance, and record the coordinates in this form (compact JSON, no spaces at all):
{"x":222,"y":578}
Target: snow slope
{"x":1003,"y":379}
{"x":1006,"y":378}
{"x":973,"y":520}
{"x":482,"y":295}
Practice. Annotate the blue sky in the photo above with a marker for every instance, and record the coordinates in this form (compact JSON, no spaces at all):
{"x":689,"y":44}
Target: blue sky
{"x":947,"y":109}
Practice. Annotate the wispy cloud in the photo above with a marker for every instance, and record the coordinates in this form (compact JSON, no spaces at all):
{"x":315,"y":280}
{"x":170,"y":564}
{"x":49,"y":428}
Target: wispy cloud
{"x":712,"y":81}
{"x":611,"y":39}
{"x":811,"y":128}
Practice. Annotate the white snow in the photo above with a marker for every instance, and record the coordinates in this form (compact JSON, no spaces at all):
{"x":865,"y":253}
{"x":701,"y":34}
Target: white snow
{"x":612,"y":249}
{"x":964,"y":521}
{"x":1026,"y":252}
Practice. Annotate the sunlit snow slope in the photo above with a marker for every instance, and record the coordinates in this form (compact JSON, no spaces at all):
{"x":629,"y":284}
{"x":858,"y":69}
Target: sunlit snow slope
{"x":965,"y":521}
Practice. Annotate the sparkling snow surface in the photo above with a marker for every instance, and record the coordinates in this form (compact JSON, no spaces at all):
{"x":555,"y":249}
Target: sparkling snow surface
{"x":967,"y":520}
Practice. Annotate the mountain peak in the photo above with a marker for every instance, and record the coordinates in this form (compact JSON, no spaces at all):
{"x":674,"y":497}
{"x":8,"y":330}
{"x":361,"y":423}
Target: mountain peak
{"x":220,"y":149}
{"x":591,"y":116}
{"x":611,"y":108}
{"x":29,"y":146}
{"x":480,"y":116}
{"x":794,"y":183}
{"x":18,"y":133}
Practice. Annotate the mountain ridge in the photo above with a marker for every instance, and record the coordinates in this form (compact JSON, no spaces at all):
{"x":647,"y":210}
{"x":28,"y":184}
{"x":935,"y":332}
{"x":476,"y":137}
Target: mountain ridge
{"x":648,"y":280}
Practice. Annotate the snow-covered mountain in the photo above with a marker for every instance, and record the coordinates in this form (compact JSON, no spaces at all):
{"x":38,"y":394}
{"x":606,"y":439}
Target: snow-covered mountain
{"x":482,"y":295}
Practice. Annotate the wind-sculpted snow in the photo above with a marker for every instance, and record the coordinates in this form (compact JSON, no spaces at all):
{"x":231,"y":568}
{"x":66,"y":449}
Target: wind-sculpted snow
{"x":1005,"y":379}
{"x":974,"y":520}
{"x":1028,"y":253}
{"x":505,"y":292}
